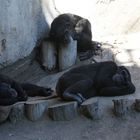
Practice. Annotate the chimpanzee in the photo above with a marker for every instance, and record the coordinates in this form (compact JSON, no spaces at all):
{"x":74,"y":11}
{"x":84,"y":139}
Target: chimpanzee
{"x":12,"y":91}
{"x":79,"y":28}
{"x":97,"y":79}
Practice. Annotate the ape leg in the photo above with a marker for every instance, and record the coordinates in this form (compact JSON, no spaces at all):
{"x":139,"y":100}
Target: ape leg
{"x":76,"y":91}
{"x":34,"y":90}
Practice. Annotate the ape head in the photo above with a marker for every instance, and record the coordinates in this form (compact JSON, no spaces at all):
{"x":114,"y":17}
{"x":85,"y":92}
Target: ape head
{"x":34,"y":90}
{"x":61,"y":28}
{"x":62,"y":38}
{"x":122,"y":76}
{"x":7,"y":91}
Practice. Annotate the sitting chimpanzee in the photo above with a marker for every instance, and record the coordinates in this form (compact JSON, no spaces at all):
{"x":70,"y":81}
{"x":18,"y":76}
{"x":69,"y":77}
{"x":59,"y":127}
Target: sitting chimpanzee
{"x":98,"y":79}
{"x":12,"y":91}
{"x":79,"y":28}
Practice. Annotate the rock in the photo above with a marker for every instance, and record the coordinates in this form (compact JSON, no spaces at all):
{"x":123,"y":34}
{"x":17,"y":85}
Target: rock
{"x":16,"y":113}
{"x":4,"y":112}
{"x":90,"y":109}
{"x":49,"y":55}
{"x":35,"y":110}
{"x":63,"y":111}
{"x":67,"y":54}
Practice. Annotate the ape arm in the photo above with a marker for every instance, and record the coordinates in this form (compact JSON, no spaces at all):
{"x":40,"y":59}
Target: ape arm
{"x":105,"y":74}
{"x":34,"y":90}
{"x":121,"y":82}
{"x":118,"y":91}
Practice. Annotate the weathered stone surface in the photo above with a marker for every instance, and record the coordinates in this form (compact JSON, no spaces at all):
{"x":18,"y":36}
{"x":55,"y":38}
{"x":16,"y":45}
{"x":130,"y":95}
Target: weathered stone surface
{"x":67,"y":54}
{"x":4,"y":112}
{"x":90,"y":108}
{"x":121,"y":107}
{"x":22,"y":23}
{"x":35,"y":110}
{"x":63,"y":111}
{"x":49,"y":55}
{"x":17,"y":113}
{"x":137,"y":105}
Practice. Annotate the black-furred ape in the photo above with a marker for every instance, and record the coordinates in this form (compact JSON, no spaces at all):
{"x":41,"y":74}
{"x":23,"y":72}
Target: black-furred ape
{"x":12,"y":91}
{"x":99,"y":79}
{"x":78,"y":28}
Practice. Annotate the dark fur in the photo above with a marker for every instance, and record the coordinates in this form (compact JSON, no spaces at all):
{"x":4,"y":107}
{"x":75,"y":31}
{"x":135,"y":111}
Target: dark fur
{"x":77,"y":27}
{"x":99,"y":79}
{"x":12,"y":91}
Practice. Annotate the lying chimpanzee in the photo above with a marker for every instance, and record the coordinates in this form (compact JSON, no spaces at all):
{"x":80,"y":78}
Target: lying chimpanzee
{"x":78,"y":28}
{"x":12,"y":91}
{"x":98,"y":79}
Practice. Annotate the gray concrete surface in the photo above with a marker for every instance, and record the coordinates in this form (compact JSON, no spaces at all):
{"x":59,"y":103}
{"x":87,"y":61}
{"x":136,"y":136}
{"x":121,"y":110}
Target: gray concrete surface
{"x":22,"y":24}
{"x":109,"y":127}
{"x":119,"y":46}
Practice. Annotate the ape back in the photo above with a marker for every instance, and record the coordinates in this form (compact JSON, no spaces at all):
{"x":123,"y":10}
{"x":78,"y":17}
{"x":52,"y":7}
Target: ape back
{"x":95,"y":80}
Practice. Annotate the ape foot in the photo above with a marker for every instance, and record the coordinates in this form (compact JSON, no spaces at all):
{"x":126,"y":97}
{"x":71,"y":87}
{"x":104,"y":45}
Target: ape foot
{"x":96,"y":50}
{"x":96,"y":47}
{"x":85,"y":55}
{"x":46,"y":91}
{"x":83,"y":99}
{"x":74,"y":97}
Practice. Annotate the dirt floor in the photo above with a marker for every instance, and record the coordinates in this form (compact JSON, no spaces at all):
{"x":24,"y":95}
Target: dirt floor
{"x":122,"y":48}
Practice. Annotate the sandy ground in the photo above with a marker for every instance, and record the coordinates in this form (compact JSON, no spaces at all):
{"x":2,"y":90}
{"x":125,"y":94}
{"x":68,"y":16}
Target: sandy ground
{"x":121,"y":44}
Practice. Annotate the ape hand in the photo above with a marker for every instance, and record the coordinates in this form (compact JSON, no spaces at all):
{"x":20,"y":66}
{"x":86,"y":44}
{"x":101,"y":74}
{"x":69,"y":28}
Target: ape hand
{"x":46,"y":91}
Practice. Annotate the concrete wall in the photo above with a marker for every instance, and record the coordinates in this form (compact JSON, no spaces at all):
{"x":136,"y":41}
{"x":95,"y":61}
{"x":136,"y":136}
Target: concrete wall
{"x":22,"y":23}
